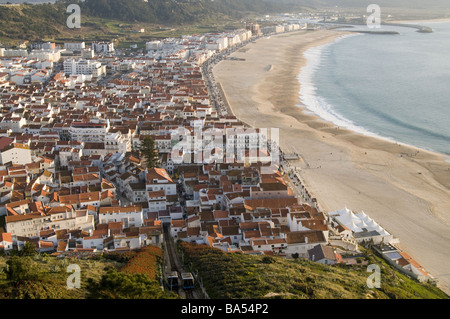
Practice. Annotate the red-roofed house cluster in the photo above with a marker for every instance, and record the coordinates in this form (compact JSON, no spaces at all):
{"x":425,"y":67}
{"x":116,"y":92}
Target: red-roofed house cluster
{"x":73,"y":180}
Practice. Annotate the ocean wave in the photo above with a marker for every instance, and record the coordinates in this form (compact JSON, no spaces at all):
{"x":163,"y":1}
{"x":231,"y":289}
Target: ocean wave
{"x":407,"y":126}
{"x":317,"y":104}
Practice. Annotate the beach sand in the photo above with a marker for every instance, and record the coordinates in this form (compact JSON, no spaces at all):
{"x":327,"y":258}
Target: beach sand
{"x":405,"y":189}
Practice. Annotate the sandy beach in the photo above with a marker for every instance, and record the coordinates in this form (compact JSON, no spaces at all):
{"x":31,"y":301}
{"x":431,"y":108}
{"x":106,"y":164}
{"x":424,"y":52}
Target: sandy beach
{"x":405,"y":189}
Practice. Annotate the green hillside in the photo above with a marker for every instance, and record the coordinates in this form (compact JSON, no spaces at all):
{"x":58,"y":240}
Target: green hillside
{"x":170,"y":12}
{"x":129,"y":275}
{"x":235,"y":275}
{"x":113,"y":19}
{"x":30,"y":22}
{"x":118,"y":20}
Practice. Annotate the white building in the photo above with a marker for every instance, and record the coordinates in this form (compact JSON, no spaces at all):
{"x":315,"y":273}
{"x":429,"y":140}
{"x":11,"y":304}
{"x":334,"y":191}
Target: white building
{"x":157,"y":179}
{"x":15,"y":124}
{"x":87,"y":53}
{"x":63,"y":217}
{"x":103,"y":47}
{"x":219,"y":42}
{"x":68,"y":154}
{"x":43,"y":46}
{"x":16,"y":153}
{"x":129,"y":242}
{"x":117,"y":143}
{"x":153,"y":45}
{"x":18,"y":52}
{"x":93,"y":242}
{"x":364,"y":228}
{"x":6,"y":242}
{"x":41,"y":76}
{"x":43,"y":55}
{"x":299,"y":242}
{"x":20,"y":77}
{"x":244,"y":35}
{"x":156,"y":201}
{"x":123,"y":180}
{"x":135,"y":192}
{"x":88,"y":132}
{"x":83,"y":66}
{"x":131,"y":216}
{"x":323,"y":255}
{"x":74,"y":46}
{"x":248,"y":138}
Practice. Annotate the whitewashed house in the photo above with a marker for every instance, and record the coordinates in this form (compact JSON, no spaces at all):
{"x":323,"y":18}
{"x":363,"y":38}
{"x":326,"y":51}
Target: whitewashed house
{"x":131,"y":216}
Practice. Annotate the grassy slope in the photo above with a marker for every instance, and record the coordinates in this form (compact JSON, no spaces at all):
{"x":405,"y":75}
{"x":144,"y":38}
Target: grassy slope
{"x":24,"y":23}
{"x":19,"y":23}
{"x":27,"y":22}
{"x":238,"y":276}
{"x":96,"y":280}
{"x":244,"y":276}
{"x":54,"y":275}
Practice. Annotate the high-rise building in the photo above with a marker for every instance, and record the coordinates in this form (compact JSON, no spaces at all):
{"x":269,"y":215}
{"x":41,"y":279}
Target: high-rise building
{"x":103,"y":47}
{"x":82,"y":66}
{"x":74,"y":46}
{"x":255,"y":29}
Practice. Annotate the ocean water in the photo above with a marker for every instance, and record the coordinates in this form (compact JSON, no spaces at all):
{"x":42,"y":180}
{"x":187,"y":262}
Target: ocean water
{"x":392,"y":86}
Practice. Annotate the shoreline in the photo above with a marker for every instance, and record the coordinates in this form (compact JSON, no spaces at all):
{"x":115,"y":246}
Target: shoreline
{"x":306,"y":76}
{"x":405,"y":189}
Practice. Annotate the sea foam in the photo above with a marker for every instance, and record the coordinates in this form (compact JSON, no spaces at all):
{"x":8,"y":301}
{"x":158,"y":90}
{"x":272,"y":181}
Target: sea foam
{"x":317,"y":104}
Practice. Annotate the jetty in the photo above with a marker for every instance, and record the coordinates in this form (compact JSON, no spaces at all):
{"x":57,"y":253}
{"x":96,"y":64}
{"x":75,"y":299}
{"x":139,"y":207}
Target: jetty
{"x":339,"y":25}
{"x":420,"y":28}
{"x":374,"y":32}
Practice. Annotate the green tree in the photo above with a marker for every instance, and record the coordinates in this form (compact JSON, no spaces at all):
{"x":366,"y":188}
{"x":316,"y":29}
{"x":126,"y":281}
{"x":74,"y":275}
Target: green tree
{"x":28,"y":249}
{"x":148,"y":150}
{"x":27,"y":279}
{"x":21,"y":269}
